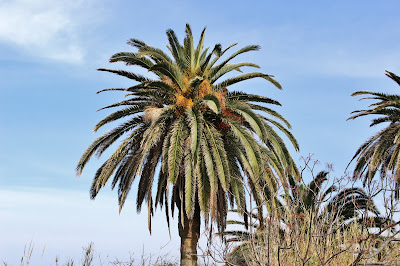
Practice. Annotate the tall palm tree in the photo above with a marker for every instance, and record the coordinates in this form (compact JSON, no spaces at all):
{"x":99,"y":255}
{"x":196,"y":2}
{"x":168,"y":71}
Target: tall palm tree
{"x":381,"y":151}
{"x":185,"y":131}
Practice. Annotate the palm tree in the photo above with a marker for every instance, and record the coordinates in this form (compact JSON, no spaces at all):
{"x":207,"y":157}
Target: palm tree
{"x":381,"y":151}
{"x":185,"y":131}
{"x":330,"y":203}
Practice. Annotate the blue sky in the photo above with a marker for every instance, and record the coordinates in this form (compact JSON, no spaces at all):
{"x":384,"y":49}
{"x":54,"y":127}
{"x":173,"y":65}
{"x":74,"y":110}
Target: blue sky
{"x":319,"y":51}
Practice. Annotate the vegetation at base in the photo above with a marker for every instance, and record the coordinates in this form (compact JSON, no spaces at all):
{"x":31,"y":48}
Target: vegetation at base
{"x":91,"y":258}
{"x":321,"y":224}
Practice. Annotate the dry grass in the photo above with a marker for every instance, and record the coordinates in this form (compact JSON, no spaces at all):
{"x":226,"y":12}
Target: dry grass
{"x":311,"y":243}
{"x":314,"y":236}
{"x":90,"y":258}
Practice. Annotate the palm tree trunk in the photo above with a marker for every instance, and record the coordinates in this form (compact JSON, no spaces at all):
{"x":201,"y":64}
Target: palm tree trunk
{"x":189,"y":232}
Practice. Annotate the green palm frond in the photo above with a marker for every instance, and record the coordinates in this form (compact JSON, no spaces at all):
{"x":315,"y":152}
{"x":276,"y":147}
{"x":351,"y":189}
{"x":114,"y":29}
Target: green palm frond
{"x":127,"y":74}
{"x":131,"y":59}
{"x":247,"y":76}
{"x":245,"y":97}
{"x":246,"y":49}
{"x":175,"y":150}
{"x":230,"y":67}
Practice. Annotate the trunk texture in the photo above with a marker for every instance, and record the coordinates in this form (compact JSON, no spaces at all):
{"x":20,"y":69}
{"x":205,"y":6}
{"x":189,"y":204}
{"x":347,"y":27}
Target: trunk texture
{"x":189,"y":232}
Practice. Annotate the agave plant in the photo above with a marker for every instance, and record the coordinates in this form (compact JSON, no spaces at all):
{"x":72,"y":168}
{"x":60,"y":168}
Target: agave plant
{"x":188,"y":138}
{"x":381,"y":151}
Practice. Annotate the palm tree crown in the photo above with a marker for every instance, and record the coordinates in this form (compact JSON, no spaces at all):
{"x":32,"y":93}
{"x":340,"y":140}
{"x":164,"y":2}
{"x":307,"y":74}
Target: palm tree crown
{"x":186,"y":132}
{"x":381,"y":151}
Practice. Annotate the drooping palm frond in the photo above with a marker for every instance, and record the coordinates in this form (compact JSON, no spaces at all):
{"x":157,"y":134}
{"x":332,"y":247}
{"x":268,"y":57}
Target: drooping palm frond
{"x":381,"y":151}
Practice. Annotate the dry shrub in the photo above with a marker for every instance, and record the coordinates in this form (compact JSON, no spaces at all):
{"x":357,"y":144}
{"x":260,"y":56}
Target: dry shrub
{"x":311,"y":243}
{"x":315,"y":236}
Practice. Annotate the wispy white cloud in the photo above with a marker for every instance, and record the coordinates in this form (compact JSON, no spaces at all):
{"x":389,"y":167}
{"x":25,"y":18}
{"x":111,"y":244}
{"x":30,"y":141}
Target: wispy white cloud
{"x":44,"y":28}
